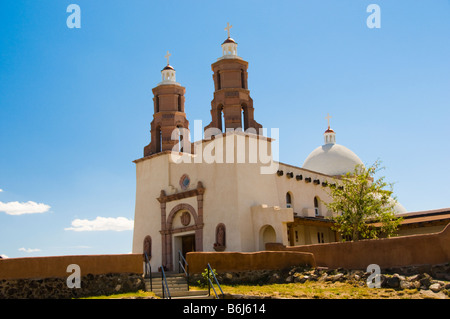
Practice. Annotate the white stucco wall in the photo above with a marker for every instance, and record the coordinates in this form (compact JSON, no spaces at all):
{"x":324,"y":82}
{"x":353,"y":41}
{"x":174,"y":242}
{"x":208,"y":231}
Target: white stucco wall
{"x":234,"y":195}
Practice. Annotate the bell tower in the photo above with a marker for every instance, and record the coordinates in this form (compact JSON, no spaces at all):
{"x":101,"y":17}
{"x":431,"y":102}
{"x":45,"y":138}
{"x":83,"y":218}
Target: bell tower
{"x":329,"y":135}
{"x":169,"y":118}
{"x":232,"y":106}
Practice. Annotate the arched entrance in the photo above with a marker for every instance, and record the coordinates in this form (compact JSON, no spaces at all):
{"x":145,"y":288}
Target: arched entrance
{"x":175,"y":224}
{"x":267,"y":234}
{"x":184,"y":234}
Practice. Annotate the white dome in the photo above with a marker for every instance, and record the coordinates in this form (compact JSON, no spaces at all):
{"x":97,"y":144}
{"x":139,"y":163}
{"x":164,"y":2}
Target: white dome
{"x":399,"y":209}
{"x":332,"y":159}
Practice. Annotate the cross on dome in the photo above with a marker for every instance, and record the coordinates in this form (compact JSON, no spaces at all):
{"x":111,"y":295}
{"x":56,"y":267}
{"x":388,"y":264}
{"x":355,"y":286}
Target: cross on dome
{"x":329,"y":135}
{"x":168,"y":73}
{"x":228,"y":28}
{"x":328,"y":117}
{"x":167,"y":56}
{"x":229,"y":46}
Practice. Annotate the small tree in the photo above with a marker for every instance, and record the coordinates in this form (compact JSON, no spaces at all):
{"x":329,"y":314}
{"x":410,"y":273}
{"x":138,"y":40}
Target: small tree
{"x":364,"y":207}
{"x":203,"y":282}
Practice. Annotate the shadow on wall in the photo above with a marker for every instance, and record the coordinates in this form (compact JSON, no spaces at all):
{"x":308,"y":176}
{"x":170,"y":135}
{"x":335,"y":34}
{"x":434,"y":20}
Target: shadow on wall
{"x":423,"y":249}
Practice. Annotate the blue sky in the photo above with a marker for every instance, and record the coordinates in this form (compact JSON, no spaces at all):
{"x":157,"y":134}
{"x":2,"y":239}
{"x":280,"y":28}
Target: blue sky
{"x":76,"y":104}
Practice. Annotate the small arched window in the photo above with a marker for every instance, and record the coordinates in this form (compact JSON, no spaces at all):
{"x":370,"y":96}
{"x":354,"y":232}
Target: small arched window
{"x":156,"y":104}
{"x":244,"y":117}
{"x":219,"y":85}
{"x":316,"y":206}
{"x":288,"y":200}
{"x":180,"y":138}
{"x":220,"y":118}
{"x":158,"y":139}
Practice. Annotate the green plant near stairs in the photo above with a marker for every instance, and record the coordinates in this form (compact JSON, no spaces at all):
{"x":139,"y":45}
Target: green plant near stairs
{"x":203,"y":282}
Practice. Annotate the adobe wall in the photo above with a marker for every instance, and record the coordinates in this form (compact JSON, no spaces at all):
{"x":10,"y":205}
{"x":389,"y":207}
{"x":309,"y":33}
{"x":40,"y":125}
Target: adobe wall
{"x":234,"y":261}
{"x":56,"y":266}
{"x":421,"y":249}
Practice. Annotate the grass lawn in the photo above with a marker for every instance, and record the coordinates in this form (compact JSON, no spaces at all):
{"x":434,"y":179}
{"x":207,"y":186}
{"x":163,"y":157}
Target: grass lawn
{"x":321,"y":290}
{"x":307,"y":290}
{"x":129,"y":295}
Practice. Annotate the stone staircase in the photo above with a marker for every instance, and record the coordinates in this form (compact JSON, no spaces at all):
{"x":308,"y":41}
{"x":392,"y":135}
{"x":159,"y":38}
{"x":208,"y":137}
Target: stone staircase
{"x":178,"y":287}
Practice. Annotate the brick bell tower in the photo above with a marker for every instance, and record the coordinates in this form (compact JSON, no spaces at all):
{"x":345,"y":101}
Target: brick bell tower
{"x":169,"y":117}
{"x":232,"y":106}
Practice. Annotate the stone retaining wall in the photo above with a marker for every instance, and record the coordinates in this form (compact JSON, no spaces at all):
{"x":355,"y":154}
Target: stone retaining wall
{"x":56,"y":288}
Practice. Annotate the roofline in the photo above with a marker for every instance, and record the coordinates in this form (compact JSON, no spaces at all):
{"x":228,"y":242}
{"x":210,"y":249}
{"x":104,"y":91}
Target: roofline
{"x":432,"y":212}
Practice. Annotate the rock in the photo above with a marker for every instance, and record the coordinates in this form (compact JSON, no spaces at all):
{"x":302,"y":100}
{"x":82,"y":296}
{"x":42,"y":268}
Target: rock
{"x":404,"y":284}
{"x":319,"y":272}
{"x":335,"y":278}
{"x":301,"y":279}
{"x":313,"y":277}
{"x":435,"y":287}
{"x":323,"y":277}
{"x":289,"y":279}
{"x":400,"y":277}
{"x":425,"y":281}
{"x":416,"y":284}
{"x":414,"y":278}
{"x":392,"y":282}
{"x":274,"y":278}
{"x":298,"y":279}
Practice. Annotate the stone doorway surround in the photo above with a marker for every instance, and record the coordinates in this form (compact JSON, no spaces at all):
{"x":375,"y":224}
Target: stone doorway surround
{"x":167,"y":229}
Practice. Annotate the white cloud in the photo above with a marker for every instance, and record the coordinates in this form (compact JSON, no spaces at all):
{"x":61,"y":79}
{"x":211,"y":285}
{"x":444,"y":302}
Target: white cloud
{"x":3,"y":256}
{"x":29,"y":250}
{"x":1,"y":190}
{"x":102,"y":223}
{"x":16,"y":208}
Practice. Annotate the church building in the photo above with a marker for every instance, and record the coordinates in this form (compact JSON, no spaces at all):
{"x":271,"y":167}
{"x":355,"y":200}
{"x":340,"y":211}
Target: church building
{"x":224,"y":192}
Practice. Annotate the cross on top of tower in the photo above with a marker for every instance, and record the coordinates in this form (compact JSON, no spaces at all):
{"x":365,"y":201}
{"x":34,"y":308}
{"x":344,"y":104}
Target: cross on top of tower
{"x":167,"y":56}
{"x":228,"y":28}
{"x":328,"y":117}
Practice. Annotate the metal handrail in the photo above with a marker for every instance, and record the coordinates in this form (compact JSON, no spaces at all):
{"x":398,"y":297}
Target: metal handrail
{"x":164,"y":281}
{"x":210,"y":284}
{"x":185,"y":270}
{"x":148,"y":269}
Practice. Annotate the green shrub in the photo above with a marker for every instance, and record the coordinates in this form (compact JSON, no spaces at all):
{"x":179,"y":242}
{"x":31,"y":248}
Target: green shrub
{"x":204,"y":281}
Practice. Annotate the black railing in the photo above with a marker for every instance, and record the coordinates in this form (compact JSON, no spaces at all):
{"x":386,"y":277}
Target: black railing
{"x":210,"y":283}
{"x":185,"y":267}
{"x":165,"y":287}
{"x":148,"y":270}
